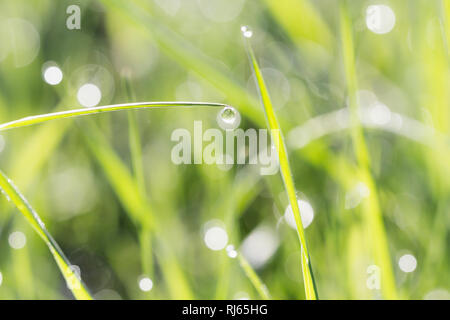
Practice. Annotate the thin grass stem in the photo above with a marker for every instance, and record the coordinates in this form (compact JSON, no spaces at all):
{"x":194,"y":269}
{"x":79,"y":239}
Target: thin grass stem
{"x":260,"y":287}
{"x":371,"y":207}
{"x":277,"y":138}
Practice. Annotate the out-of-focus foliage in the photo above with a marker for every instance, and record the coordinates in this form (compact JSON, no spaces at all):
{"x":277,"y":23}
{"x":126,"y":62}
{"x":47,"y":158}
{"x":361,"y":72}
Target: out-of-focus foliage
{"x":96,"y":180}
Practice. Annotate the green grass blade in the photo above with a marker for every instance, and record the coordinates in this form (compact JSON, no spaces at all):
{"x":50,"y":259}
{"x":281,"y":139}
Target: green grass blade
{"x":145,"y":235}
{"x":310,"y":27}
{"x":187,"y":55}
{"x":371,"y":207}
{"x":101,"y":109}
{"x":137,"y":207}
{"x":277,"y":138}
{"x":445,"y":5}
{"x":191,"y":58}
{"x":120,"y":178}
{"x":77,"y":287}
{"x":260,"y":287}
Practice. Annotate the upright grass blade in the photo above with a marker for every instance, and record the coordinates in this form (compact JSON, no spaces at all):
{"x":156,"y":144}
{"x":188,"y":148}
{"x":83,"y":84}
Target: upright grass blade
{"x":145,"y":235}
{"x":240,"y":194}
{"x":373,"y":216}
{"x":445,"y":5}
{"x":137,"y":206}
{"x":277,"y":138}
{"x":77,"y":287}
{"x":120,"y":178}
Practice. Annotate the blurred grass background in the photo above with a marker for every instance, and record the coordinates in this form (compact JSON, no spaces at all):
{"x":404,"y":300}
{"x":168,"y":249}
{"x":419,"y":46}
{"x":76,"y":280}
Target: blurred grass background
{"x":121,"y":210}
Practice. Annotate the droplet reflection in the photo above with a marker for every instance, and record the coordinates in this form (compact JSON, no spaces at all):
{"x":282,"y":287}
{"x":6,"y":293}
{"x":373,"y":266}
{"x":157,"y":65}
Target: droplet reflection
{"x":246,"y":32}
{"x":228,"y":118}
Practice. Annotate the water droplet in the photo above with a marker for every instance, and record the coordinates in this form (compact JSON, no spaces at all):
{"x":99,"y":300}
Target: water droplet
{"x":5,"y":194}
{"x":231,"y":252}
{"x":74,"y":277}
{"x":228,"y":118}
{"x":246,"y":32}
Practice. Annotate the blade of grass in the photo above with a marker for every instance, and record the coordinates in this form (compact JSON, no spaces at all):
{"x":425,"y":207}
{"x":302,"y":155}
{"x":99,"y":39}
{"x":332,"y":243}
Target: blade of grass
{"x":311,"y":27}
{"x":122,"y":181}
{"x":145,"y":235}
{"x":120,"y":178}
{"x":254,"y":278}
{"x":101,"y":109}
{"x":445,"y":5}
{"x":23,"y":271}
{"x":77,"y":287}
{"x":241,"y":193}
{"x":277,"y":138}
{"x":187,"y":55}
{"x":374,"y":219}
{"x":137,"y":207}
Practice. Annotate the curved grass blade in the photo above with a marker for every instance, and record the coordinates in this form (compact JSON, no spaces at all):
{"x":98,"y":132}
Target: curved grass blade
{"x":77,"y":287}
{"x":115,"y":107}
{"x":277,"y":138}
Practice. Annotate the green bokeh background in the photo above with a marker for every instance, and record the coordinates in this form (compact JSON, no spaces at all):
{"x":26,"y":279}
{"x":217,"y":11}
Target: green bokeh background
{"x":71,"y":171}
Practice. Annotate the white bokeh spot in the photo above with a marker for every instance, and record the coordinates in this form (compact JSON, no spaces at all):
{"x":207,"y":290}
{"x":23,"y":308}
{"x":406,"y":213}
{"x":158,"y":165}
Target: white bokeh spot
{"x":17,"y":240}
{"x":380,"y":18}
{"x":89,"y":95}
{"x":145,"y":284}
{"x":53,"y":75}
{"x":407,"y":263}
{"x":216,"y":238}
